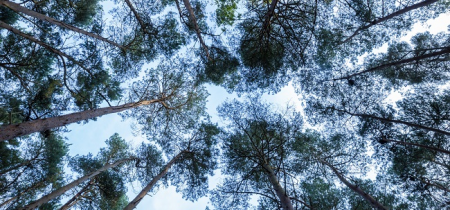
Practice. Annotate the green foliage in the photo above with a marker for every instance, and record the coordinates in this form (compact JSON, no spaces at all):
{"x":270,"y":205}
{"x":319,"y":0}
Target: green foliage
{"x":221,"y":65}
{"x":8,"y":16}
{"x":108,"y":188}
{"x":84,"y":11}
{"x":225,"y":12}
{"x":263,"y":45}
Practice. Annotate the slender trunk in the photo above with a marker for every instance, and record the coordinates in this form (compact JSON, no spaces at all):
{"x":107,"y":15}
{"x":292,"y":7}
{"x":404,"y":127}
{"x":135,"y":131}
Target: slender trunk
{"x":375,"y":204}
{"x":390,"y":16}
{"x":418,"y":145}
{"x":285,"y":201}
{"x":137,"y":16}
{"x":73,"y":184}
{"x":152,"y":183}
{"x":17,"y":8}
{"x":193,"y":21}
{"x":76,"y":197}
{"x":396,"y":121}
{"x":20,"y":194}
{"x":42,"y":44}
{"x":268,"y":16}
{"x":16,"y":130}
{"x":417,"y":58}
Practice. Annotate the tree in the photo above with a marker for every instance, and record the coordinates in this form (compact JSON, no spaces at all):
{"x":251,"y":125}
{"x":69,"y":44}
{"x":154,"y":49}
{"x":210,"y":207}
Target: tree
{"x":426,"y":61}
{"x":361,"y":26}
{"x":172,"y":91}
{"x":269,"y":34}
{"x":256,"y":155}
{"x":113,"y":156}
{"x":37,"y":168}
{"x":188,"y":167}
{"x":106,"y":190}
{"x":12,"y":131}
{"x":17,"y":8}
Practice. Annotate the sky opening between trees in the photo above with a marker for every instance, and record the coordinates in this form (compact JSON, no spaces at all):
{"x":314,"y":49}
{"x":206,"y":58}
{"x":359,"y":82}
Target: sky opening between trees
{"x":233,"y":104}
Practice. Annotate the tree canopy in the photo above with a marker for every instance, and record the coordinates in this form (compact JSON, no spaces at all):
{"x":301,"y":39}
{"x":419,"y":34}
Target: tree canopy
{"x":371,"y":129}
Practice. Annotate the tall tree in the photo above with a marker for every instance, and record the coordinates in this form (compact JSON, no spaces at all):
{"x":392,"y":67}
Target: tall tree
{"x":39,"y":168}
{"x":256,"y":153}
{"x":113,"y":156}
{"x":189,"y":166}
{"x":162,"y":89}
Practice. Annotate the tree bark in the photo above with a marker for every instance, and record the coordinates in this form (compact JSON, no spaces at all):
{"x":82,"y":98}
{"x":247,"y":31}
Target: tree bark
{"x":64,"y":189}
{"x":267,"y":17}
{"x":137,"y":16}
{"x":284,"y":199}
{"x":390,"y":16}
{"x":418,"y":145}
{"x":152,"y":183}
{"x":44,"y":45}
{"x":396,"y":121}
{"x":375,"y":204}
{"x":193,"y":21}
{"x":76,"y":197}
{"x":17,"y":8}
{"x":16,"y":130}
{"x":417,"y":58}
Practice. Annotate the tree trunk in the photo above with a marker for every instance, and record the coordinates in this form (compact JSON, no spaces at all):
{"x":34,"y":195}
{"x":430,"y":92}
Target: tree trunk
{"x":138,"y":17}
{"x":396,"y":121}
{"x":73,"y":184}
{"x":17,"y":8}
{"x":268,"y":17}
{"x":193,"y":21}
{"x":76,"y":197}
{"x":390,"y":16}
{"x":150,"y":185}
{"x":42,"y":44}
{"x":284,"y":199}
{"x":418,"y":145}
{"x":417,"y":58}
{"x":375,"y":204}
{"x":16,"y":130}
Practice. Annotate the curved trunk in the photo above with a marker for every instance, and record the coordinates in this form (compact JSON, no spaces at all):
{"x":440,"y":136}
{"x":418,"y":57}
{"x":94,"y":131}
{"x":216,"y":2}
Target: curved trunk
{"x":150,"y":185}
{"x":396,"y":121}
{"x":418,"y":145}
{"x":193,"y":21}
{"x":375,"y":204}
{"x":16,"y":130}
{"x":17,"y":8}
{"x":285,"y":201}
{"x":390,"y":16}
{"x":73,"y":184}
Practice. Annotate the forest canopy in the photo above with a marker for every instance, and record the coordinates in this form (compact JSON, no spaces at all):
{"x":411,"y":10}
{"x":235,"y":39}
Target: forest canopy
{"x":372,"y":130}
